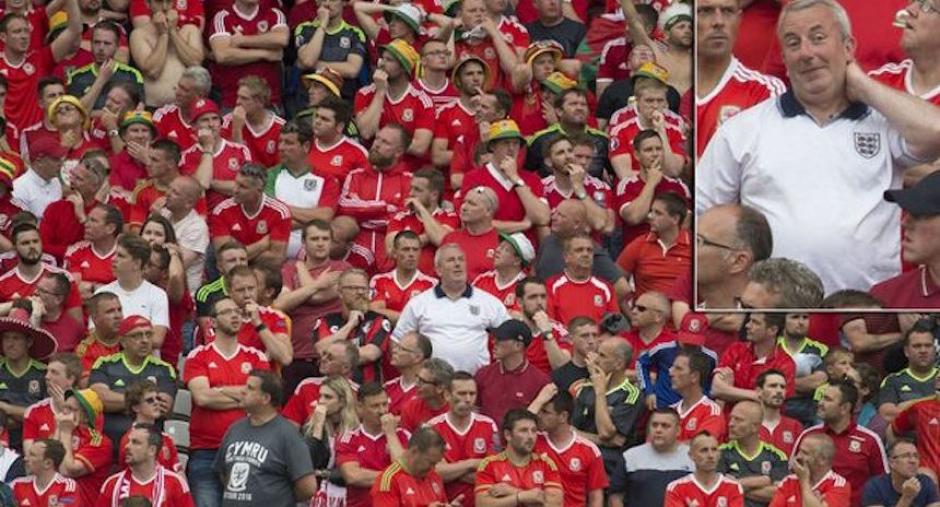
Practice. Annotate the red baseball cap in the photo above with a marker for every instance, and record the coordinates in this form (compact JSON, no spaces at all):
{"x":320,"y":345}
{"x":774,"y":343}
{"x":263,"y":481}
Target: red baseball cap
{"x":133,"y":322}
{"x":204,"y":106}
{"x":47,"y":146}
{"x":692,"y":329}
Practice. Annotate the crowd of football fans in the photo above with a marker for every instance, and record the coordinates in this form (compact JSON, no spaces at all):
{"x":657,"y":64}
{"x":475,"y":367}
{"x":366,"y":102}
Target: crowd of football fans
{"x":354,"y":253}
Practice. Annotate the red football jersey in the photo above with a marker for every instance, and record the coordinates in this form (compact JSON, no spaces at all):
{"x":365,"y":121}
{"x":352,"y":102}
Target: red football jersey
{"x":621,"y":139}
{"x":226,"y":162}
{"x":923,"y":418}
{"x":371,"y":452}
{"x":337,"y":160}
{"x":629,"y":111}
{"x":408,"y":221}
{"x":687,"y":491}
{"x":91,"y":349}
{"x":82,"y":260}
{"x":478,"y":250}
{"x":629,"y":188}
{"x":479,"y":440}
{"x":900,"y":77}
{"x":613,"y":64}
{"x":783,"y":435}
{"x":261,"y":144}
{"x":738,"y":89}
{"x":170,"y":125}
{"x":230,"y":219}
{"x":596,"y":189}
{"x":22,"y":102}
{"x":164,"y":489}
{"x":441,"y":97}
{"x":30,"y":135}
{"x":397,"y":488}
{"x":399,"y":394}
{"x":568,"y":299}
{"x":747,"y":367}
{"x":503,"y":292}
{"x":61,"y":491}
{"x":453,"y":121}
{"x":536,"y":353}
{"x":416,"y":412}
{"x":13,"y":286}
{"x":168,"y":458}
{"x":704,"y":415}
{"x":833,"y":489}
{"x":305,"y":397}
{"x":93,"y":449}
{"x":413,"y":110}
{"x":510,"y":204}
{"x":39,"y":421}
{"x":860,"y":455}
{"x":541,"y":472}
{"x":230,"y":21}
{"x":385,"y":287}
{"x":579,"y":464}
{"x":207,"y":426}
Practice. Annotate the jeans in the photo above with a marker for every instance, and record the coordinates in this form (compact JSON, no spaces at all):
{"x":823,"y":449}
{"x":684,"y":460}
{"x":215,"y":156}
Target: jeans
{"x":203,"y":480}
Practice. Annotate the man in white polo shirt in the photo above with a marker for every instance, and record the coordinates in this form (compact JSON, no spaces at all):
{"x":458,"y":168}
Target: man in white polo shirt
{"x":454,"y":315}
{"x":817,"y":160}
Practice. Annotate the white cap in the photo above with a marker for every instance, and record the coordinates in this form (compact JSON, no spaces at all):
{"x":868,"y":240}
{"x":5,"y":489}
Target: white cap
{"x":521,"y":244}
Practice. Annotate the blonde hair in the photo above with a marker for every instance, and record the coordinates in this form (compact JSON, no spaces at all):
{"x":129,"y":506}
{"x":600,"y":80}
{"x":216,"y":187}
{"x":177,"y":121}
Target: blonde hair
{"x":348,"y":419}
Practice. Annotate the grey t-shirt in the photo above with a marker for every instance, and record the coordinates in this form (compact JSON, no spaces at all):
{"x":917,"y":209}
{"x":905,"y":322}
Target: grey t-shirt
{"x":259,"y":464}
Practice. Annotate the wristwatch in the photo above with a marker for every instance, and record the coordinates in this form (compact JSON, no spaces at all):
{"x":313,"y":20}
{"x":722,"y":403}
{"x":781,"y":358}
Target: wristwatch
{"x":113,"y":133}
{"x":581,"y":196}
{"x":518,"y":183}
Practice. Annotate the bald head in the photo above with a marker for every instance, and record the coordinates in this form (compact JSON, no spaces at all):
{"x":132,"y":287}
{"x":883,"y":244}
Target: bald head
{"x":569,"y":218}
{"x":344,"y":228}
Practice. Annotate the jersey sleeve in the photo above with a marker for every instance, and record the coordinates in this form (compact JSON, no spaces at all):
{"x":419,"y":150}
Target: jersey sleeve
{"x":297,"y":455}
{"x":281,"y":229}
{"x":195,"y":367}
{"x":485,"y":478}
{"x":625,"y":415}
{"x":838,"y":496}
{"x":346,"y":450}
{"x":596,"y":475}
{"x":888,"y":392}
{"x":30,"y":425}
{"x":383,"y":492}
{"x":674,"y":497}
{"x":295,"y":408}
{"x":95,"y":457}
{"x":330,"y":196}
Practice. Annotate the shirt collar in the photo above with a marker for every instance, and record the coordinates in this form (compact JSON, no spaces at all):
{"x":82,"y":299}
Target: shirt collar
{"x":439,"y":292}
{"x":791,"y":107}
{"x":927,"y":285}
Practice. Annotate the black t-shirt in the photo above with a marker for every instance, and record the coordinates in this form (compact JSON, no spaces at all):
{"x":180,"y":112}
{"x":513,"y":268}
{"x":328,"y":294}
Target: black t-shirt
{"x":568,"y":374}
{"x":568,"y":33}
{"x":619,"y":92}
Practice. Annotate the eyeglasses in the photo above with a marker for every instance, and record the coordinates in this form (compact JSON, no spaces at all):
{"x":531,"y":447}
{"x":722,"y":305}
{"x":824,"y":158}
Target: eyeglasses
{"x":741,"y":305}
{"x":927,"y":6}
{"x":153,"y":400}
{"x":48,"y":292}
{"x":426,"y":381}
{"x":703,"y":241}
{"x":908,"y":455}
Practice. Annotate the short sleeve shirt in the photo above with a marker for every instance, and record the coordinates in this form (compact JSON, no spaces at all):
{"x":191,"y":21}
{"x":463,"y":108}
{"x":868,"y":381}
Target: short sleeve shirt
{"x":118,"y":375}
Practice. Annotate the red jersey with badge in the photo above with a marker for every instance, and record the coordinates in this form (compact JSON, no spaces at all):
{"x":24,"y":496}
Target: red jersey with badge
{"x":540,"y":472}
{"x":230,"y":21}
{"x":385,"y":287}
{"x":413,"y":110}
{"x":13,"y":286}
{"x":399,"y":394}
{"x":622,"y":134}
{"x":226,"y":162}
{"x":630,"y":188}
{"x":832,"y":489}
{"x":686,"y":492}
{"x":39,"y":420}
{"x":614,"y":57}
{"x":738,"y":89}
{"x":337,"y":160}
{"x":477,"y":249}
{"x":272,"y":220}
{"x":263,"y":143}
{"x":170,"y":124}
{"x":92,"y":449}
{"x":22,"y":102}
{"x":395,"y":487}
{"x":301,"y":404}
{"x":923,"y":418}
{"x":860,"y":455}
{"x":416,"y":412}
{"x":527,"y":110}
{"x":441,"y":97}
{"x":146,"y":194}
{"x":373,"y":329}
{"x":372,"y":197}
{"x":276,"y":322}
{"x":408,"y":221}
{"x":783,"y":435}
{"x":477,"y":441}
{"x":84,"y":262}
{"x":164,"y":489}
{"x":370,"y":452}
{"x":747,"y":366}
{"x":91,"y":349}
{"x":629,"y":111}
{"x":596,"y":189}
{"x":61,"y":491}
{"x":568,"y":299}
{"x":207,"y":426}
{"x":579,"y":464}
{"x":704,"y":415}
{"x":536,"y":353}
{"x":453,"y":121}
{"x":505,"y":292}
{"x":510,"y":204}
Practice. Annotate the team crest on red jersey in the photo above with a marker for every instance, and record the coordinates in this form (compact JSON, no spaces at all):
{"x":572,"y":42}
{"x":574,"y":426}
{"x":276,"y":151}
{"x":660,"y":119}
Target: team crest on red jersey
{"x":246,"y":367}
{"x":575,"y":464}
{"x":337,"y":160}
{"x":271,"y":147}
{"x":408,"y":114}
{"x":262,"y":26}
{"x":28,"y":68}
{"x":479,"y":445}
{"x":788,"y":437}
{"x":233,"y":164}
{"x":598,"y":300}
{"x":262,"y":227}
{"x":538,"y":477}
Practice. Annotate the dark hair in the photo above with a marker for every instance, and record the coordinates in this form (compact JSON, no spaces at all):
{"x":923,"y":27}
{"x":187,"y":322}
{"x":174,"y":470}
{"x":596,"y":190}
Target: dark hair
{"x":851,"y":298}
{"x":299,"y":128}
{"x":648,"y":15}
{"x":754,"y":231}
{"x":515,"y":415}
{"x":22,"y":228}
{"x":154,"y":437}
{"x":168,"y":231}
{"x":4,"y":82}
{"x":230,"y":245}
{"x":405,"y":234}
{"x":113,"y":216}
{"x":215,"y":302}
{"x":340,"y":108}
{"x":582,"y":139}
{"x":562,"y":402}
{"x":698,"y":363}
{"x":46,"y":81}
{"x":132,"y":92}
{"x":847,"y":390}
{"x":136,"y":247}
{"x":552,"y":141}
{"x":239,"y":271}
{"x":271,"y":277}
{"x":72,"y":363}
{"x":643,"y":135}
{"x":54,"y":450}
{"x":368,"y":390}
{"x":870,"y":380}
{"x":580,"y":321}
{"x":460,"y":375}
{"x":320,"y":224}
{"x":109,"y":26}
{"x":922,"y":326}
{"x":403,"y":133}
{"x":525,"y":282}
{"x":898,"y":441}
{"x":5,"y":21}
{"x":762,"y":378}
{"x":62,"y":283}
{"x":503,"y":100}
{"x":135,"y":394}
{"x":777,"y":320}
{"x":440,"y":369}
{"x":253,"y":171}
{"x":675,"y":205}
{"x":424,"y":439}
{"x":435,"y":180}
{"x":667,"y":411}
{"x":560,"y":99}
{"x":95,"y":300}
{"x":271,"y":385}
{"x":169,"y":148}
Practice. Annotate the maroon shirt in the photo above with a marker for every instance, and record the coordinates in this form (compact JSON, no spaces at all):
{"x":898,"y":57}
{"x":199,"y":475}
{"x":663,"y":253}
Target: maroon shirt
{"x":499,"y":390}
{"x":304,"y":318}
{"x":913,"y":289}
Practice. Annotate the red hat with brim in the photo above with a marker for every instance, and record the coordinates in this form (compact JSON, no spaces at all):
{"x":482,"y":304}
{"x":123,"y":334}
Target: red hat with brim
{"x":44,"y":344}
{"x":203,"y":106}
{"x":692,"y":329}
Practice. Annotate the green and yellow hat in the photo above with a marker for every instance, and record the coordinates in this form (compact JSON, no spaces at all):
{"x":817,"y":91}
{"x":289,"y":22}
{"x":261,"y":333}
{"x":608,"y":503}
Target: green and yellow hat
{"x":138,"y":117}
{"x":557,"y":82}
{"x":327,"y":77}
{"x":89,"y":401}
{"x":67,"y":99}
{"x":651,"y":70}
{"x":544,"y":46}
{"x":7,"y":172}
{"x":406,"y":55}
{"x":504,"y":129}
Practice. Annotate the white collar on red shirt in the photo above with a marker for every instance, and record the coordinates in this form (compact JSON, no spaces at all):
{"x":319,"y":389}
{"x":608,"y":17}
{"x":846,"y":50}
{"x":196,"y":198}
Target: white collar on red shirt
{"x":498,"y":176}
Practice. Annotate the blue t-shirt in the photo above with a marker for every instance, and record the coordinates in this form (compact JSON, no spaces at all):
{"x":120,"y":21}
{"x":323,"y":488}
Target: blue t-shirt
{"x":879,"y":491}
